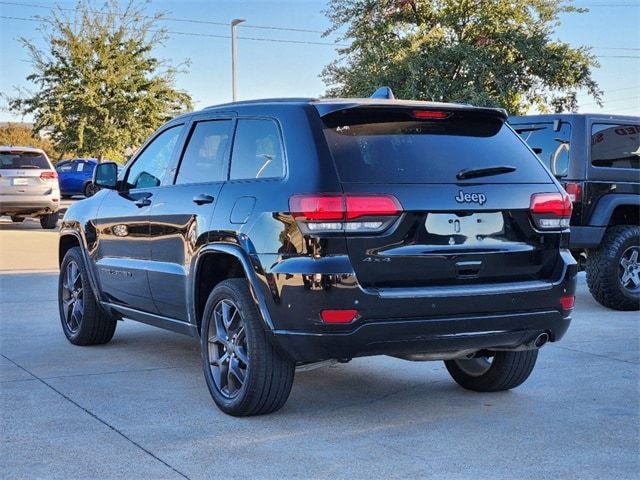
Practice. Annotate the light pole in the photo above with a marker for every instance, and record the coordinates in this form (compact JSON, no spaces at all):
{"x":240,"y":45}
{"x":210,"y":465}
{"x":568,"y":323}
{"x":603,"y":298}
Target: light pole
{"x":234,"y":52}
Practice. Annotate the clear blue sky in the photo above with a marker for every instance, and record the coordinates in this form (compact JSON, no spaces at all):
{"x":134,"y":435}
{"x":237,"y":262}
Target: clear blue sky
{"x":271,"y":69}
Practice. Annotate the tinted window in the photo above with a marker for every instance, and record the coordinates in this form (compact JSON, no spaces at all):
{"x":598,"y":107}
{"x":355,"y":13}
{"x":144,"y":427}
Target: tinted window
{"x":616,"y":146}
{"x":23,"y":160}
{"x":204,"y":159}
{"x":65,"y":167}
{"x":552,"y":147}
{"x":152,"y":164}
{"x":391,"y":146}
{"x":257,"y":151}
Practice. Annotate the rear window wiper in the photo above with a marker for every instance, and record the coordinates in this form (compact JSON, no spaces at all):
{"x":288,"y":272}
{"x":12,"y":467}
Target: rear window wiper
{"x":484,"y":171}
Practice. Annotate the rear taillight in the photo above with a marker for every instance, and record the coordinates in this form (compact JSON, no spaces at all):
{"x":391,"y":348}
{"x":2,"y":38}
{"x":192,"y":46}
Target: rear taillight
{"x":48,"y":175}
{"x":326,"y":213}
{"x":574,"y":190}
{"x":551,"y":211}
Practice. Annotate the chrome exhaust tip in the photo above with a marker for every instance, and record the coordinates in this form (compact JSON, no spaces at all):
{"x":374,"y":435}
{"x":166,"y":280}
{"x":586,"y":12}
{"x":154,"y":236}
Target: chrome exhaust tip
{"x":541,"y":340}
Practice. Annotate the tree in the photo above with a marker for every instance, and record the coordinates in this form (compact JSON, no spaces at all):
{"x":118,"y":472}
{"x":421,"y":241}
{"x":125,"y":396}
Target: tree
{"x":99,"y":87}
{"x":22,"y":135}
{"x":484,"y":52}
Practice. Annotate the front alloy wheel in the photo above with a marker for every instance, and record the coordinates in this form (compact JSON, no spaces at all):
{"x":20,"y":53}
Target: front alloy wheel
{"x":84,"y":322}
{"x":72,"y":297}
{"x":227,"y":343}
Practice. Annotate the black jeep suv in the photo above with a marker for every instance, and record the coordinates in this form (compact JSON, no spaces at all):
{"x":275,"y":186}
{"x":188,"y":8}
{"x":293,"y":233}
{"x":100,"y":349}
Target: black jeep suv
{"x":597,"y":157}
{"x":293,"y":231}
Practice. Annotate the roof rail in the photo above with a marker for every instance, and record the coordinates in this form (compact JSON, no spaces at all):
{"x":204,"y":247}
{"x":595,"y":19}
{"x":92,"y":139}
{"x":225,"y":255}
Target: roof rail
{"x":383,"y":92}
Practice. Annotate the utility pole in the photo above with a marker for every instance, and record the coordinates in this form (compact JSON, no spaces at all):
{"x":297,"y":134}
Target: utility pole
{"x":234,"y":53}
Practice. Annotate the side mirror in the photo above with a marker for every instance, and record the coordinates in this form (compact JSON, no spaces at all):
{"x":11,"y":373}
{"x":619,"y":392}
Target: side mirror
{"x":105,"y":175}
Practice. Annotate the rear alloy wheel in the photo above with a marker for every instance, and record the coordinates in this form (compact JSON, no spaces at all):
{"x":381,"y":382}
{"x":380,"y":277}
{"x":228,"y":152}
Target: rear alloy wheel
{"x":83,"y":321}
{"x":502,"y":371}
{"x":245,"y":374}
{"x":90,"y":190}
{"x":49,"y":221}
{"x":613,"y":269}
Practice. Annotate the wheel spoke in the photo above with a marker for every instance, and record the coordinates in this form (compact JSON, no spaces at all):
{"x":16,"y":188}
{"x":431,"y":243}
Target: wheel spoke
{"x":634,"y":257}
{"x":235,"y":377}
{"x":217,"y":362}
{"x":69,"y":312}
{"x":242,"y":355}
{"x":626,"y":276}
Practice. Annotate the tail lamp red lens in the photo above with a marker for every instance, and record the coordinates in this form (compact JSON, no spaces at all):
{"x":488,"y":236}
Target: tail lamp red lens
{"x":430,"y":114}
{"x":338,"y":316}
{"x":337,"y":212}
{"x":48,"y":175}
{"x":567,"y":302}
{"x":551,"y":211}
{"x":574,"y":190}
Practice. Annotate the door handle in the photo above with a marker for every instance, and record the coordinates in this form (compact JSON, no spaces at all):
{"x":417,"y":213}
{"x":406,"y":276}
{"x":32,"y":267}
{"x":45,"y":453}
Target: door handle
{"x":202,"y":199}
{"x":142,"y":202}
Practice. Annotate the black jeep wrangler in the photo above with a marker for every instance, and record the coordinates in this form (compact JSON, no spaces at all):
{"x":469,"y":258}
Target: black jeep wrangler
{"x":292,"y":231}
{"x":597,"y":159}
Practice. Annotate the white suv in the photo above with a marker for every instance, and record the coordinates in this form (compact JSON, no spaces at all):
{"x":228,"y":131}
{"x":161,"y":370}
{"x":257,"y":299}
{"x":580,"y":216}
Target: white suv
{"x":28,"y":185}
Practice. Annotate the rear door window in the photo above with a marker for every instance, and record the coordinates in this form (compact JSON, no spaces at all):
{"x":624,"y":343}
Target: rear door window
{"x":551,"y":146}
{"x":257,"y":150}
{"x":391,"y":146}
{"x":615,"y":146}
{"x":205,"y":158}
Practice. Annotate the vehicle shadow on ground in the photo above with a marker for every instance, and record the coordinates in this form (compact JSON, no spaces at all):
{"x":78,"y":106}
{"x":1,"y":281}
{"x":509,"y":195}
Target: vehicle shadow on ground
{"x":323,"y":391}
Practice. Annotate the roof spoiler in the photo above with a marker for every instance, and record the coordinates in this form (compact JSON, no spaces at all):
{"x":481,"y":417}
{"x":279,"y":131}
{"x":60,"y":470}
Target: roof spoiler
{"x":383,"y":92}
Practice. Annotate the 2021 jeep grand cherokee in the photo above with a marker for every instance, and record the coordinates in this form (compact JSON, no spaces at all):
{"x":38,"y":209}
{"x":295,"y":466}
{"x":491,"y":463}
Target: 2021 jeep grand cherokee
{"x":292,"y":231}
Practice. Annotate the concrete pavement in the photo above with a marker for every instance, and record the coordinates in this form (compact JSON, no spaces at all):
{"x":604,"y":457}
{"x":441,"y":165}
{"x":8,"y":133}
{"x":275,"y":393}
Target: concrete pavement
{"x":139,"y":408}
{"x":27,"y":247}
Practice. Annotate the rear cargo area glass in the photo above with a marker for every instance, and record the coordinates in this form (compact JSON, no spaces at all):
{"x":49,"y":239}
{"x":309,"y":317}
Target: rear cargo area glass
{"x":23,"y":160}
{"x":393,"y":147}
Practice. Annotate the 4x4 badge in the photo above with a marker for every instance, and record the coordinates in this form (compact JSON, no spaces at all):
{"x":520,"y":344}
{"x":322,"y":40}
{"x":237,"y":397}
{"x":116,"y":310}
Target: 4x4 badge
{"x":462,"y":197}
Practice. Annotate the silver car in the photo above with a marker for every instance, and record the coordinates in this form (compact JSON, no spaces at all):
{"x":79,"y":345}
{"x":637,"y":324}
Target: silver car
{"x":28,"y":185}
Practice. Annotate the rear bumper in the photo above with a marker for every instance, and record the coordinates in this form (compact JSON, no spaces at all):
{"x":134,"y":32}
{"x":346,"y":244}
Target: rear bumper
{"x":29,"y":204}
{"x":434,"y":335}
{"x":401,"y":321}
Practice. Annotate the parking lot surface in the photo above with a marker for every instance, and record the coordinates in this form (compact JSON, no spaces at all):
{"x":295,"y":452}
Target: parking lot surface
{"x":139,"y":408}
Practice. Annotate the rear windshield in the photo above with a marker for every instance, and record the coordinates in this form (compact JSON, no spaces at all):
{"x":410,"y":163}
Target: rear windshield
{"x":550,"y":145}
{"x":394,"y":147}
{"x":23,"y":160}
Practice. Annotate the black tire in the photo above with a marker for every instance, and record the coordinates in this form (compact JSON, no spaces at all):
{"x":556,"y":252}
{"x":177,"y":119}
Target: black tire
{"x":16,"y":219}
{"x":65,"y":197}
{"x":268,"y":376}
{"x":605,"y":272}
{"x":507,"y":370}
{"x":49,"y":221}
{"x":85,"y":323}
{"x":89,"y":190}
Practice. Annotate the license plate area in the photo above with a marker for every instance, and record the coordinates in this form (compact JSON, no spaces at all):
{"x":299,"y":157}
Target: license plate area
{"x":475,"y":225}
{"x":20,"y":181}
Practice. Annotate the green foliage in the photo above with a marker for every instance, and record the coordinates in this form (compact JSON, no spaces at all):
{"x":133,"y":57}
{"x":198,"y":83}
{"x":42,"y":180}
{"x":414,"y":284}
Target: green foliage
{"x":99,"y":87}
{"x":484,"y":52}
{"x":21,"y":135}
